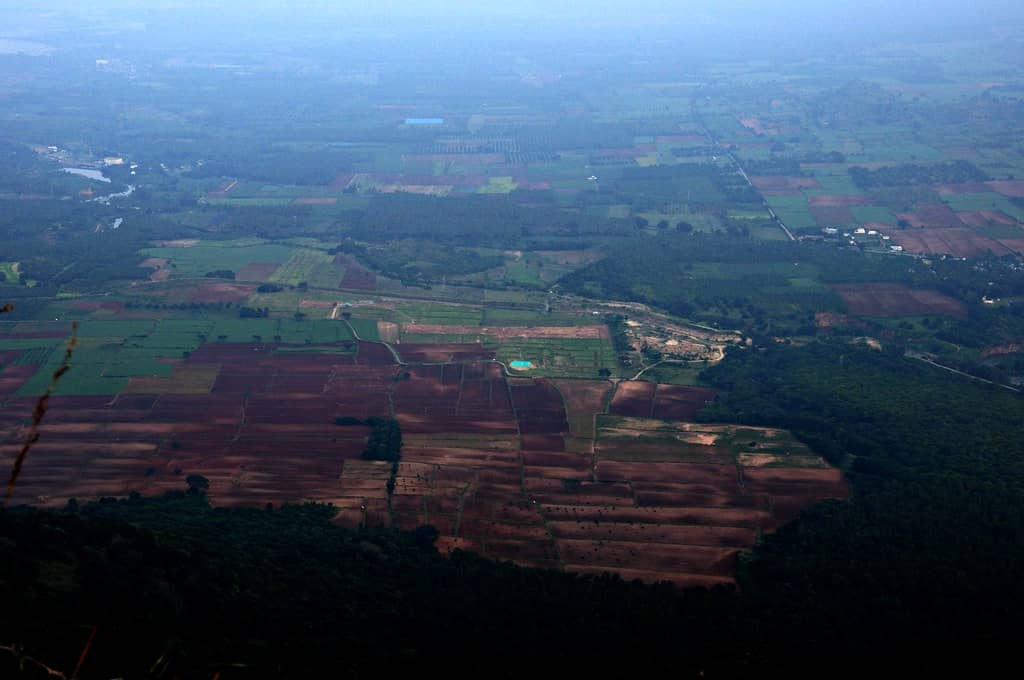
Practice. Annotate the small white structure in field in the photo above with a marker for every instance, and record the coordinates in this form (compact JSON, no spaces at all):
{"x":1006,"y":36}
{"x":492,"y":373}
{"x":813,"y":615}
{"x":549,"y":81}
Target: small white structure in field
{"x":896,"y":249}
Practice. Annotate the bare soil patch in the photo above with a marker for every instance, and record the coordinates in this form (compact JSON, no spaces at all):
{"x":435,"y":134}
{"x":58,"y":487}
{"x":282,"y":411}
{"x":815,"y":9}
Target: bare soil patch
{"x":891,"y":299}
{"x":633,"y":398}
{"x":956,"y":242}
{"x":571,"y":257}
{"x":357,"y":277}
{"x":257,"y":271}
{"x":837,"y":200}
{"x":502,"y":333}
{"x":1008,"y":187}
{"x":221,"y":292}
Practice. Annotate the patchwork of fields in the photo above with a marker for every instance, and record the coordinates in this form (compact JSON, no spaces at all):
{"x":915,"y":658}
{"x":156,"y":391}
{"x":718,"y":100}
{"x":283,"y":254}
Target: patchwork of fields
{"x":582,"y":475}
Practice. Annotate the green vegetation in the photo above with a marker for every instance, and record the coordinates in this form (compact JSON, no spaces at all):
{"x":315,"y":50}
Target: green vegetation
{"x":195,"y":261}
{"x":937,"y":469}
{"x":907,"y":174}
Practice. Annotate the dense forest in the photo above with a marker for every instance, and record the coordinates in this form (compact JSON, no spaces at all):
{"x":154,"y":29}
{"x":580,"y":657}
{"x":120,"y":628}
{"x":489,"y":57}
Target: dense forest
{"x":723,"y":279}
{"x":927,"y":549}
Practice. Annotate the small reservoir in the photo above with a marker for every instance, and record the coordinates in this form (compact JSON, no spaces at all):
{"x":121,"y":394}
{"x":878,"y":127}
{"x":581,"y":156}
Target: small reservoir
{"x":521,"y":365}
{"x":87,"y":172}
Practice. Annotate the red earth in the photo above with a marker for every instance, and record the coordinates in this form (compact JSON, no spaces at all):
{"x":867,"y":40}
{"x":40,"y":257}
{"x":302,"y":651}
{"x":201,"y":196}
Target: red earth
{"x":891,"y":299}
{"x":486,"y":458}
{"x":957,"y":242}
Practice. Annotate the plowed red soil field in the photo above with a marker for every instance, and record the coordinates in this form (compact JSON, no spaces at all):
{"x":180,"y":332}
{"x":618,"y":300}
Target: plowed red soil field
{"x":486,"y":458}
{"x":892,"y":299}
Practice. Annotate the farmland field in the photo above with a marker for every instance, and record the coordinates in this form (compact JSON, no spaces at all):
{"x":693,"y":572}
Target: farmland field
{"x":874,"y":299}
{"x":512,"y":467}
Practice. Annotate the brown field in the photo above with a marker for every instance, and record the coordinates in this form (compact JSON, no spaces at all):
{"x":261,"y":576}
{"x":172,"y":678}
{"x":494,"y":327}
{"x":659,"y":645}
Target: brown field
{"x":837,"y":200}
{"x":357,"y":277}
{"x":1008,"y":187}
{"x":753,"y":124}
{"x":669,"y":402}
{"x":679,"y":402}
{"x":571,"y":257}
{"x":633,"y":398}
{"x":985,"y":218}
{"x":892,"y":299}
{"x":965,"y":188}
{"x":1003,"y":350}
{"x":1014,"y":244}
{"x":341,"y":181}
{"x":932,"y":216}
{"x":583,"y":399}
{"x":501,"y":333}
{"x":257,"y":271}
{"x":221,"y":292}
{"x":951,"y":241}
{"x":486,"y":458}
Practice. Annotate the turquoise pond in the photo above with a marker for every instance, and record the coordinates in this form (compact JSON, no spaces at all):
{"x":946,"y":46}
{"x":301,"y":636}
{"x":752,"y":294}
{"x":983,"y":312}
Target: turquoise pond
{"x":521,"y":364}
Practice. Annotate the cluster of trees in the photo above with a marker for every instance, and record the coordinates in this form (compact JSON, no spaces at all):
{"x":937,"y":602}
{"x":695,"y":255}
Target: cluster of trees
{"x":271,"y":288}
{"x":660,"y":271}
{"x":414,"y":261}
{"x":857,"y":103}
{"x":385,"y":440}
{"x":702,"y":185}
{"x":253,"y":312}
{"x":954,"y":172}
{"x":500,"y":221}
{"x":926,"y":550}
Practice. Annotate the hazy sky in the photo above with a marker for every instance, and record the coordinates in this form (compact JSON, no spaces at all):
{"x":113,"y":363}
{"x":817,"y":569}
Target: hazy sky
{"x":833,"y":13}
{"x":771,"y":25}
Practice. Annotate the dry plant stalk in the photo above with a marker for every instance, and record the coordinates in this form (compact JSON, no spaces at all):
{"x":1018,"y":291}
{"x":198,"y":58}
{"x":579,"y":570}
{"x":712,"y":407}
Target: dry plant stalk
{"x":38,"y":413}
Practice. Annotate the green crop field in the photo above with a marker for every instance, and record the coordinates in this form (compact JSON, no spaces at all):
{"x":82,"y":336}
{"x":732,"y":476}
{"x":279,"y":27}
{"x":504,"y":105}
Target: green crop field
{"x":792,"y":210}
{"x":873,"y":213}
{"x":984,"y":201}
{"x":208,"y":256}
{"x":315,"y":267}
{"x":427,"y":313}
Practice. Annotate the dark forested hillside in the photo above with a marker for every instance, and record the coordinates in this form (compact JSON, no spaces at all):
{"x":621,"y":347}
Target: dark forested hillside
{"x":175,"y":588}
{"x":927,"y":551}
